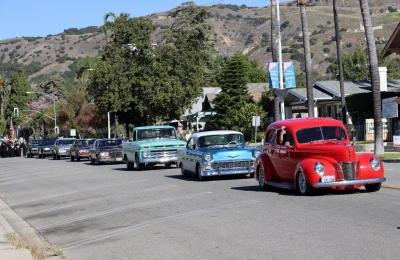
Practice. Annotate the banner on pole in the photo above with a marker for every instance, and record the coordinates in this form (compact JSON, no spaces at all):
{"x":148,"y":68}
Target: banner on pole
{"x":273,"y":74}
{"x":288,"y":71}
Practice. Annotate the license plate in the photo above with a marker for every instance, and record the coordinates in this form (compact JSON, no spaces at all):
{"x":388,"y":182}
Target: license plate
{"x":327,"y":178}
{"x":118,"y":159}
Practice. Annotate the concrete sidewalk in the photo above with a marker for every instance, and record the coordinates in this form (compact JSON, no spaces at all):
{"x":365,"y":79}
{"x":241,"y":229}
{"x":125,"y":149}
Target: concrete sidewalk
{"x":7,"y":250}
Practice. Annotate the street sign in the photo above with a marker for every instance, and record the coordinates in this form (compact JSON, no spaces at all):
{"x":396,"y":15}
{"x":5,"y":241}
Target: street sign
{"x":389,"y":108}
{"x":72,"y":132}
{"x":16,"y":112}
{"x":56,"y":130}
{"x":256,"y":121}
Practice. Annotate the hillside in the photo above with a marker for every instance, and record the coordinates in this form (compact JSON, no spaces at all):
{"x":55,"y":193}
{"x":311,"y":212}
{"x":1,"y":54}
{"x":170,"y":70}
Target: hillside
{"x":236,"y":28}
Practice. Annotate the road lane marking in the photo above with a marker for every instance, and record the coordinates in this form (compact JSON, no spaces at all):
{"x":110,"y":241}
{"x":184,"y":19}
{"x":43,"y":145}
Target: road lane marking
{"x":102,"y":213}
{"x":96,"y":199}
{"x":72,"y":192}
{"x":153,"y":222}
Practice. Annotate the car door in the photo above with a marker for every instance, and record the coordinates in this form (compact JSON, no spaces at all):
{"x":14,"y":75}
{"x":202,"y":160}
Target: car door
{"x":191,"y":155}
{"x":287,"y":161}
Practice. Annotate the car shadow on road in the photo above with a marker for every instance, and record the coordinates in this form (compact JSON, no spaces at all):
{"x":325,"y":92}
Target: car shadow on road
{"x":292,"y":192}
{"x":190,"y":177}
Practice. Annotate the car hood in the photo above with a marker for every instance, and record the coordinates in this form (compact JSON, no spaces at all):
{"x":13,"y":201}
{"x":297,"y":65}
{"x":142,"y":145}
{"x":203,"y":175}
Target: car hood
{"x":162,"y":144}
{"x":339,"y":151}
{"x":64,"y":146}
{"x":84,"y":147}
{"x":230,"y":153}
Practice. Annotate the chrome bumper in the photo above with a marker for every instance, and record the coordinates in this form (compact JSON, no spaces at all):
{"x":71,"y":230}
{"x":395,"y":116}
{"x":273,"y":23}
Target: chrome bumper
{"x":171,"y":159}
{"x":111,"y":160}
{"x":348,"y":183}
{"x":233,"y":171}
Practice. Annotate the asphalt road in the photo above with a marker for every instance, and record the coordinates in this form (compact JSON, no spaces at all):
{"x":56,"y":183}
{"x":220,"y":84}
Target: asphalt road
{"x":106,"y":212}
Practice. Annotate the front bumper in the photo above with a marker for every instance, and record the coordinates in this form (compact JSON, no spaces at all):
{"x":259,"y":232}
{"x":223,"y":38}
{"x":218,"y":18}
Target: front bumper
{"x":170,"y":159}
{"x":110,"y":160}
{"x":348,"y":183}
{"x":63,"y":153}
{"x":232,"y":171}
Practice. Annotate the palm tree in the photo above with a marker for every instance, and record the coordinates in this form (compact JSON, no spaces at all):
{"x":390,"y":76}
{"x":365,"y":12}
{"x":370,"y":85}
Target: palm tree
{"x":340,"y":64}
{"x":4,"y":92}
{"x":307,"y":56}
{"x":375,"y":81}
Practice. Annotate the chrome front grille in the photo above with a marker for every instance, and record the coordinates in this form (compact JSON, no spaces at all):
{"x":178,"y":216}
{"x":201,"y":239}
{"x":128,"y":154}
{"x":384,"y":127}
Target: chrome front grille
{"x":115,"y":154}
{"x":347,"y":171}
{"x":232,"y":164}
{"x":164,"y":153}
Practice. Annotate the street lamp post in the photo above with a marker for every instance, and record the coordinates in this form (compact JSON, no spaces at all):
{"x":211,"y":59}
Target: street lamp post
{"x":54,"y":101}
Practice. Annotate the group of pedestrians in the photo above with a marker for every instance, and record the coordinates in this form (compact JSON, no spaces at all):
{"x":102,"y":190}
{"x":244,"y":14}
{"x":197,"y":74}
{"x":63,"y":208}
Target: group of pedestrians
{"x":10,"y":148}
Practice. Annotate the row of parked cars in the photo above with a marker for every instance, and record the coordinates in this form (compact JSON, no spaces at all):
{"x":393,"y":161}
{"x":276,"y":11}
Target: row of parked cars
{"x":95,"y":150}
{"x":303,"y":154}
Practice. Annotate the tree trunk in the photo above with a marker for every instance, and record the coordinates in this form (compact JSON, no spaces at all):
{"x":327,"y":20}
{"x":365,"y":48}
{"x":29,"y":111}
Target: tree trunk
{"x":375,"y":81}
{"x":340,"y":65}
{"x":307,"y":57}
{"x":274,"y":50}
{"x":116,"y":126}
{"x":1,"y":109}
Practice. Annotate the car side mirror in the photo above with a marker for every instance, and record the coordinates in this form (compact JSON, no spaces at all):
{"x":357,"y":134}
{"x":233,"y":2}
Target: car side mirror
{"x":287,"y":144}
{"x":247,"y":144}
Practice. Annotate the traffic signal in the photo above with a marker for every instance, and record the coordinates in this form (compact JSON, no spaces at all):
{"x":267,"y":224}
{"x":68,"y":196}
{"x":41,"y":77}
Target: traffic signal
{"x":56,"y":130}
{"x":16,"y":112}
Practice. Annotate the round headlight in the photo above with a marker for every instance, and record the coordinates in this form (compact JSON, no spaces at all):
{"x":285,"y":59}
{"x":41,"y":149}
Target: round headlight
{"x":207,"y":157}
{"x":319,"y":168}
{"x":256,"y":153}
{"x":145,"y":154}
{"x":375,"y":163}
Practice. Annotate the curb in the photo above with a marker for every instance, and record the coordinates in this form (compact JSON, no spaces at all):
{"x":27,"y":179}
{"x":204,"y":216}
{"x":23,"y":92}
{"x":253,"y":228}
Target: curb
{"x":7,"y":250}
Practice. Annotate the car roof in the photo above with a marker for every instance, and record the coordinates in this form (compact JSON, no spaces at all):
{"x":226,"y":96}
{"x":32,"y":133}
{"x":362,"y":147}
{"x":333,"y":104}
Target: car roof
{"x":152,"y":127}
{"x":215,"y":132}
{"x":300,"y":123}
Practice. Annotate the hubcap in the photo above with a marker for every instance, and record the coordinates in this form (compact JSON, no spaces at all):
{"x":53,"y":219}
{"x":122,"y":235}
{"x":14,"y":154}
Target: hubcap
{"x":261,"y":179}
{"x":302,"y":182}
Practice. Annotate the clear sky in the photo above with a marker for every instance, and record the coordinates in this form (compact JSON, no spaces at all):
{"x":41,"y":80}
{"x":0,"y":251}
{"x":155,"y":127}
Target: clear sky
{"x":34,"y":18}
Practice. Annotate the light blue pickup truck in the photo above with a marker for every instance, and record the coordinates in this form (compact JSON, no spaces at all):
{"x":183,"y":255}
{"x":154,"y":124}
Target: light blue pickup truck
{"x":152,"y":145}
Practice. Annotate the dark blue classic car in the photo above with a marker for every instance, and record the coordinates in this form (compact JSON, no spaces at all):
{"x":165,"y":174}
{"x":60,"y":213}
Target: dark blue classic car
{"x":216,"y":153}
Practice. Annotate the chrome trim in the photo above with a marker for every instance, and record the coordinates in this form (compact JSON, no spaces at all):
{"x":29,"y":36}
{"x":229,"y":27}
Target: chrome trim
{"x":218,"y":172}
{"x":348,"y":183}
{"x":159,"y":160}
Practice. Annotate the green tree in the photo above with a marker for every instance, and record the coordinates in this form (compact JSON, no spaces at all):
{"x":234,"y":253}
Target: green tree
{"x":18,"y":97}
{"x":54,"y":85}
{"x":244,"y":118}
{"x":233,"y":96}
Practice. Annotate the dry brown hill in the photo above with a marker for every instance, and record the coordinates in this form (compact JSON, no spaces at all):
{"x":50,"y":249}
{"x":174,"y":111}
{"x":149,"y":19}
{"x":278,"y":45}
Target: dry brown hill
{"x":236,"y":28}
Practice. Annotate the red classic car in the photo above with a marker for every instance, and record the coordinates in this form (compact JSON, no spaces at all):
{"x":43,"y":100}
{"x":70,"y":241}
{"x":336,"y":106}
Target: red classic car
{"x":310,"y":153}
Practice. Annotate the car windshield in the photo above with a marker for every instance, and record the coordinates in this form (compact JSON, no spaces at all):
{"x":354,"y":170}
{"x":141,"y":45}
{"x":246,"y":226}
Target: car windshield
{"x":156,"y":133}
{"x":64,"y":142}
{"x":320,"y":133}
{"x":110,"y":142}
{"x":220,"y":140}
{"x":48,"y":142}
{"x":35,"y":142}
{"x":85,"y":142}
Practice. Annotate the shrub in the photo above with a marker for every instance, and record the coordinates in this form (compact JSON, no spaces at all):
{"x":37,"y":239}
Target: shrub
{"x":326,"y":50}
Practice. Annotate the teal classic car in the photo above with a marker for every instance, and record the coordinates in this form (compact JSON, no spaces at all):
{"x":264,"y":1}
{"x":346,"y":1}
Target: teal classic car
{"x":152,"y":145}
{"x":216,"y":153}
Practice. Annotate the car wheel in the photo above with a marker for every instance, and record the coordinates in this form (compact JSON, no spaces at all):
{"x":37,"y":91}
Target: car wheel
{"x":373,"y":187}
{"x":167,"y":165}
{"x":43,"y":156}
{"x":97,"y":160}
{"x":302,"y":185}
{"x":183,"y":171}
{"x":71,"y":157}
{"x":78,"y":158}
{"x":91,"y":160}
{"x":251,"y":175}
{"x":129,"y":165}
{"x":139,"y":166}
{"x":261,"y":179}
{"x":198,"y":173}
